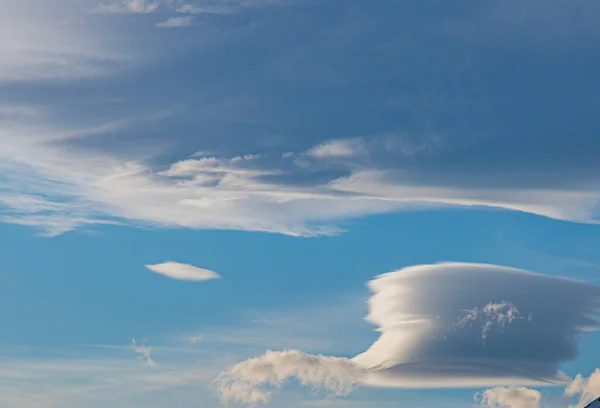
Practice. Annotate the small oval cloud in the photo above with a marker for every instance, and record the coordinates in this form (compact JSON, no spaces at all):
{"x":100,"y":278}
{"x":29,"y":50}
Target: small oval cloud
{"x":182,"y":271}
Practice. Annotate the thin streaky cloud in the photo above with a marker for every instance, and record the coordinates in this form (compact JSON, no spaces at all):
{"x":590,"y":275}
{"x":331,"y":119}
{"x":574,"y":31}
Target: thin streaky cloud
{"x":177,"y":22}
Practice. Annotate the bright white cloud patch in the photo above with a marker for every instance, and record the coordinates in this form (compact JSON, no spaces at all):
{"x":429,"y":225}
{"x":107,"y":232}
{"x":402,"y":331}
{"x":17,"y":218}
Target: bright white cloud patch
{"x":338,"y":148}
{"x":431,"y":320}
{"x":510,"y":397}
{"x":585,"y":389}
{"x":181,"y":271}
{"x":242,"y":382}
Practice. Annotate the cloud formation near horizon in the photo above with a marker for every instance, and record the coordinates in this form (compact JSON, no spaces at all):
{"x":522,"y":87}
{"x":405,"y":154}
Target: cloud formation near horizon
{"x":180,"y":271}
{"x":448,"y":325}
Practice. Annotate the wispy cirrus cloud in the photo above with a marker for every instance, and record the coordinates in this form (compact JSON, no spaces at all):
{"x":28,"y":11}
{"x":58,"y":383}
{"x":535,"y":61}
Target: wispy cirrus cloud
{"x":130,"y":6}
{"x":180,"y":271}
{"x":144,"y":351}
{"x":333,"y":159}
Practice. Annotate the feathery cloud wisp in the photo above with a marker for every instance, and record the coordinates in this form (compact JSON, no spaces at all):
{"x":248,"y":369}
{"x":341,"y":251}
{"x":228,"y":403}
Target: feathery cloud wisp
{"x":144,"y":351}
{"x":182,"y":271}
{"x":176,"y":22}
{"x":128,"y":6}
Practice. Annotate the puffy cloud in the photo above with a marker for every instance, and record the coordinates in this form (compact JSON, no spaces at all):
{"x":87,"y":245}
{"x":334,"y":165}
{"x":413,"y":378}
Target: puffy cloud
{"x":181,"y":271}
{"x":511,"y":397}
{"x":586,"y":389}
{"x":431,"y":320}
{"x":242,"y":381}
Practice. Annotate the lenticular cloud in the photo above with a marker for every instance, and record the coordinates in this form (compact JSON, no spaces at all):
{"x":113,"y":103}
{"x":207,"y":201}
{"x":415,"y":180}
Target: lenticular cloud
{"x":457,"y":324}
{"x":445,"y":325}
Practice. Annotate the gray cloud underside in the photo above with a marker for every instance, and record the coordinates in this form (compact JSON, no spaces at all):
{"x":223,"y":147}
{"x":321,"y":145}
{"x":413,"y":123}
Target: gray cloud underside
{"x":447,"y":110}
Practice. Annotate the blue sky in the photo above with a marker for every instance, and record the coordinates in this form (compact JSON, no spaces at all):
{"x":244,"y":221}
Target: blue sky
{"x":223,"y":180}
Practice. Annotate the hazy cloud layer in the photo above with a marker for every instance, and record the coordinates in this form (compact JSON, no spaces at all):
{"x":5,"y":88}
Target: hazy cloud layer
{"x":180,"y":271}
{"x":431,"y":320}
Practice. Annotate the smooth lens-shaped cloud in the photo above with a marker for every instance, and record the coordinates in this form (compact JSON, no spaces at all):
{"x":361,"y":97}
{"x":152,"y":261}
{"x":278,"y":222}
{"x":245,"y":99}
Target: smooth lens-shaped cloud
{"x":181,"y":271}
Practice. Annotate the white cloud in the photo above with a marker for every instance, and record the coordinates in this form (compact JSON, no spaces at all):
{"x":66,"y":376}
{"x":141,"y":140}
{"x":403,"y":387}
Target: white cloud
{"x":510,"y":397}
{"x":129,"y":6}
{"x":396,"y":187}
{"x":181,"y":271}
{"x":176,"y":22}
{"x":586,"y":389}
{"x":421,"y":345}
{"x":414,"y":308}
{"x":216,"y":8}
{"x":216,"y":192}
{"x":338,"y":149}
{"x":241,"y":382}
{"x":152,"y":6}
{"x":144,"y":351}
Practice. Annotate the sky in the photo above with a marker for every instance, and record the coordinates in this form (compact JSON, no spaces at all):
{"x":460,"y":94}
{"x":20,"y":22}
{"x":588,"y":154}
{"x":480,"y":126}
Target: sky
{"x":299,"y":203}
